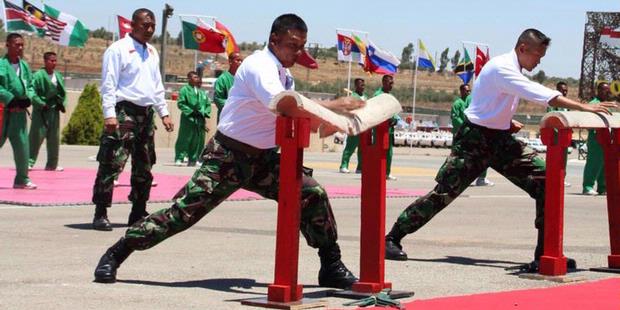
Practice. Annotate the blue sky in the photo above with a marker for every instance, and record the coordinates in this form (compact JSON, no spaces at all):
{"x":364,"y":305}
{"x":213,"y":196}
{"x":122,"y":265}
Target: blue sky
{"x":391,"y":24}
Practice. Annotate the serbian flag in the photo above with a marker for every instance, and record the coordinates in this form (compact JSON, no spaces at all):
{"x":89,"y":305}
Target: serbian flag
{"x":348,"y":50}
{"x":610,"y":39}
{"x":231,"y":44}
{"x":481,"y":60}
{"x":306,"y":60}
{"x":124,"y":26}
{"x":206,"y":39}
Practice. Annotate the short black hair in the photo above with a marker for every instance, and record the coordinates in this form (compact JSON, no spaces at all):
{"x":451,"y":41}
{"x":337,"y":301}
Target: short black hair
{"x":47,"y":55}
{"x":463,"y":86}
{"x":600,"y":84}
{"x":387,"y":77}
{"x":192,"y":73}
{"x":139,"y":11}
{"x":13,"y":35}
{"x":358,"y":80}
{"x":561,"y":83}
{"x":286,"y":22}
{"x":533,"y":36}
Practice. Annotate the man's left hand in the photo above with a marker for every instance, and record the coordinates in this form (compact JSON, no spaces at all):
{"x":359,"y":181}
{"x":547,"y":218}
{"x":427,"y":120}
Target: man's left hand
{"x":167,"y":122}
{"x":515,"y":126}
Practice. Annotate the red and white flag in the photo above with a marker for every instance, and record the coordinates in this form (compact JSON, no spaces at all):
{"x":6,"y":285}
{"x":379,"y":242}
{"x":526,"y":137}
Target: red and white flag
{"x":481,"y":60}
{"x":610,"y":39}
{"x":124,"y":26}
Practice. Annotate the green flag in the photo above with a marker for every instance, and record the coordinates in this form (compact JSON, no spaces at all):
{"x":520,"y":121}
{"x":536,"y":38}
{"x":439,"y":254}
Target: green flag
{"x":64,"y":29}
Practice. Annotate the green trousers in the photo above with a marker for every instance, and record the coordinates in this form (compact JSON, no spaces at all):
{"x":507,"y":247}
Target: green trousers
{"x":594,"y":172}
{"x":190,"y":140}
{"x":17,"y":134}
{"x":45,"y":125}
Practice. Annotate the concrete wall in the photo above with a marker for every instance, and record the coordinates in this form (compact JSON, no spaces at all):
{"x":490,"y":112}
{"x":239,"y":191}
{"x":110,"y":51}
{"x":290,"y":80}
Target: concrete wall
{"x":165,"y":139}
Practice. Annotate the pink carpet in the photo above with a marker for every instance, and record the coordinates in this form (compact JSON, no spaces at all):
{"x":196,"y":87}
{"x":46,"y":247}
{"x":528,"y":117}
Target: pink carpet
{"x":599,"y":295}
{"x":74,"y":186}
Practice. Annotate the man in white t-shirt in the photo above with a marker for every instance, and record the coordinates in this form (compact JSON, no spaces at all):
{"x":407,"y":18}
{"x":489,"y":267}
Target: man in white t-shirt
{"x":243,"y":154}
{"x":485,"y":140}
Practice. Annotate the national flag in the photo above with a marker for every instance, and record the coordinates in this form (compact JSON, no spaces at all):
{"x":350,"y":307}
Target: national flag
{"x":348,"y":49}
{"x":380,"y":61}
{"x":306,"y":60}
{"x":231,"y":43}
{"x":465,"y":68}
{"x":201,"y":38}
{"x":18,"y":19}
{"x":610,"y":39}
{"x":363,"y":50}
{"x":37,"y":17}
{"x":124,"y":26}
{"x":481,"y":60}
{"x":425,"y":60}
{"x":64,"y":29}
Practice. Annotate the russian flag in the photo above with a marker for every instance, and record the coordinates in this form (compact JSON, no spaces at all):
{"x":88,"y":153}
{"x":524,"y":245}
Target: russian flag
{"x":348,"y":50}
{"x":380,"y":61}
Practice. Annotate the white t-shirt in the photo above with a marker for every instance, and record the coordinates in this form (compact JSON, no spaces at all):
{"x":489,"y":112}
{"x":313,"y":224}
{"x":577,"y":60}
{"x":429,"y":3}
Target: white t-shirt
{"x":246,"y":116}
{"x":130,"y":72}
{"x":53,"y":79}
{"x":496,"y":92}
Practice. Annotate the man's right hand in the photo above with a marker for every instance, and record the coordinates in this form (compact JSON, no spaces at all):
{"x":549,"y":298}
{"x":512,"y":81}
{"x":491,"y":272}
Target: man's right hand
{"x":603,"y":107}
{"x":343,"y":104}
{"x":110,"y":124}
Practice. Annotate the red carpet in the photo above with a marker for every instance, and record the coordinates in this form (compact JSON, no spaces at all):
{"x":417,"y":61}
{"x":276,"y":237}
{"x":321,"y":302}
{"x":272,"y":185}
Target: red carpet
{"x":603,"y":294}
{"x":75,"y":186}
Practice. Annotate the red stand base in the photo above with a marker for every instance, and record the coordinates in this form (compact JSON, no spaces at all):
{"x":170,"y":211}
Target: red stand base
{"x":370,"y":287}
{"x":552,"y":266}
{"x":613,"y":261}
{"x":282,"y":293}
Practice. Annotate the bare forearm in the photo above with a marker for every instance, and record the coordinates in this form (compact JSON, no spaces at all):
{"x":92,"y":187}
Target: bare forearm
{"x":563,"y":102}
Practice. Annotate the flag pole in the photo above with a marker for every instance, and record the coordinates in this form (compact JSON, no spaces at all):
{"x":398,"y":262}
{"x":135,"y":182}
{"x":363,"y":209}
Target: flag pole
{"x":415,"y":83}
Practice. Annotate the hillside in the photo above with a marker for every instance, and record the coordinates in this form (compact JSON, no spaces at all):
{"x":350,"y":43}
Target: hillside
{"x":87,"y":60}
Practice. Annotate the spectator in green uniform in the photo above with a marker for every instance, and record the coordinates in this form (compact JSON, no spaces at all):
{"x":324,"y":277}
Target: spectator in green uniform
{"x":16,"y":94}
{"x":562,"y":88}
{"x":352,"y":142}
{"x":593,"y":171}
{"x":387,"y":82}
{"x":224,"y":82}
{"x":49,"y":100}
{"x":195,"y":107}
{"x":457,"y":114}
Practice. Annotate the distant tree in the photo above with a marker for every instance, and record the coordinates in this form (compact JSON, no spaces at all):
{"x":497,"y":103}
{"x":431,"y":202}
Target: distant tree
{"x":540,"y":77}
{"x":406,"y":57}
{"x":86,"y":122}
{"x":443,"y":60}
{"x":455,"y":59}
{"x":101,"y":33}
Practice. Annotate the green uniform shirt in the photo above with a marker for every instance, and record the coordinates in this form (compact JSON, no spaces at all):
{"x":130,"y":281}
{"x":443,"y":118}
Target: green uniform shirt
{"x":46,"y":93}
{"x":457,"y":114}
{"x":222,"y":86}
{"x":193,"y":104}
{"x":13,"y":86}
{"x":357,"y":96}
{"x":592,"y":132}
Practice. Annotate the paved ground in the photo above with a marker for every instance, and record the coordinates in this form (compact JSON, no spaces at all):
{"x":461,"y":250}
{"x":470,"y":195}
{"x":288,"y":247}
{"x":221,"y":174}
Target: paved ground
{"x":48,"y":254}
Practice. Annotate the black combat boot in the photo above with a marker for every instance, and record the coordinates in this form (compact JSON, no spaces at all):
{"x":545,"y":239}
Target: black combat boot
{"x":111,"y":260}
{"x":393,"y":249}
{"x":533,"y":267}
{"x":100,"y":221}
{"x":333,"y":272}
{"x":138,"y":212}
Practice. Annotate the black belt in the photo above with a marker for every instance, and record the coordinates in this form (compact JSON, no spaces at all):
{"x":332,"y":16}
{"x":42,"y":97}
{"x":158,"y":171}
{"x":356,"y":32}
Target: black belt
{"x":133,"y":107}
{"x":486,"y":130}
{"x":238,"y":145}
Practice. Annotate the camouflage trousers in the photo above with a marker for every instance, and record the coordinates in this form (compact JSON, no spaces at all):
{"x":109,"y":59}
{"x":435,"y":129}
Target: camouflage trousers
{"x":133,"y":137}
{"x":475,"y":149}
{"x":225,"y":170}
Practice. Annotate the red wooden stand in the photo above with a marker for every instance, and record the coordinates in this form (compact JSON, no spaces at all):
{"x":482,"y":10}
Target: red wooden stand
{"x":372,"y":247}
{"x":553,"y":261}
{"x":292,"y":135}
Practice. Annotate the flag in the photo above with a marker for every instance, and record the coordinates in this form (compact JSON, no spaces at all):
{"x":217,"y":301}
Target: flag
{"x":380,"y":61}
{"x":363,"y":61}
{"x":64,"y":29}
{"x":465,"y":68}
{"x":18,"y":19}
{"x":37,"y":17}
{"x":124,"y":26}
{"x":231,"y":43}
{"x":425,"y":60}
{"x":348,"y":50}
{"x":481,"y":60}
{"x":610,"y":39}
{"x":202,"y":38}
{"x":306,"y":60}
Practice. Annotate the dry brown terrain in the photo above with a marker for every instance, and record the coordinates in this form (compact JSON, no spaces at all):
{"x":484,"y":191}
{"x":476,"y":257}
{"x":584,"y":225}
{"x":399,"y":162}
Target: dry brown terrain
{"x":178,"y":61}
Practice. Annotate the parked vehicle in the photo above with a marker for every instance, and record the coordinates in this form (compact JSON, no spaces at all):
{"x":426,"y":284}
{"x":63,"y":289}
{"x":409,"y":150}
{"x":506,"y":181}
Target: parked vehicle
{"x":426,"y":139}
{"x":537,"y":145}
{"x":412,"y":138}
{"x":438,"y":139}
{"x":399,"y":138}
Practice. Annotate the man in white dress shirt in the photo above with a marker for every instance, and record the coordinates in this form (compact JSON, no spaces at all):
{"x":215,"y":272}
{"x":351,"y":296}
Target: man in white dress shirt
{"x":131,"y":88}
{"x":485,"y":140}
{"x":243,"y":154}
